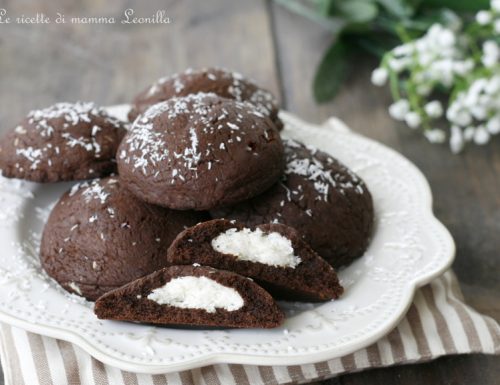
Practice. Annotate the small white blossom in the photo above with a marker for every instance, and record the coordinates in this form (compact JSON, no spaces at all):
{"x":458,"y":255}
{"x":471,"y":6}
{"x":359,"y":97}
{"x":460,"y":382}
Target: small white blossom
{"x":463,"y":67}
{"x":434,"y":109}
{"x":462,"y":117}
{"x":469,"y":133}
{"x":491,"y":53}
{"x":404,"y":50}
{"x":413,"y":119}
{"x":493,"y":85}
{"x":435,"y":135}
{"x":380,"y":76}
{"x":479,"y":112}
{"x":484,"y":17}
{"x":399,"y":109}
{"x":424,"y":89}
{"x":493,"y":125}
{"x":496,"y":26}
{"x":446,"y":38}
{"x":456,"y":139}
{"x":495,"y":5}
{"x":397,"y":65}
{"x":481,"y":136}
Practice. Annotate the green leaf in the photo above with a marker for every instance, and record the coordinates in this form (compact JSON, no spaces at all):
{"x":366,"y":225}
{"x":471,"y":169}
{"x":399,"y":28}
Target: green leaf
{"x":326,"y":7}
{"x":398,"y":8}
{"x":333,"y":24}
{"x":357,"y":11}
{"x":331,"y":72}
{"x":459,"y":5}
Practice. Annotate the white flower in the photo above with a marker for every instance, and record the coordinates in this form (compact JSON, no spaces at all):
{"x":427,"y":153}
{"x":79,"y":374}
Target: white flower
{"x":434,"y":109}
{"x":496,"y":26}
{"x":403,"y":50}
{"x":424,"y":89}
{"x":456,"y":139}
{"x":469,"y":133}
{"x":399,"y":109}
{"x":483,"y":17}
{"x":491,"y":53}
{"x":493,"y":85}
{"x":446,"y":38}
{"x":397,"y":65}
{"x":425,"y":58}
{"x":435,"y":135}
{"x":413,"y":119}
{"x":479,"y":112}
{"x":493,"y":125}
{"x":495,"y":5}
{"x":463,"y":67}
{"x":481,"y":136}
{"x":380,"y":76}
{"x":460,"y":117}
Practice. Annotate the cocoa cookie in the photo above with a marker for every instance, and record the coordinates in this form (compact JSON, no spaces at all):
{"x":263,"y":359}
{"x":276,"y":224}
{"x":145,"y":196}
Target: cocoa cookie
{"x":199,"y":152}
{"x":319,"y":197}
{"x":274,"y":255}
{"x":99,"y":237}
{"x":228,"y":84}
{"x":195,"y":296}
{"x":64,"y":142}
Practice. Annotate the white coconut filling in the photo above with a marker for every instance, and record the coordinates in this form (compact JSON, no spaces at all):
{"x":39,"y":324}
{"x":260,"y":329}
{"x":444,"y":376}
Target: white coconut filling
{"x":197,"y":293}
{"x":271,"y":249}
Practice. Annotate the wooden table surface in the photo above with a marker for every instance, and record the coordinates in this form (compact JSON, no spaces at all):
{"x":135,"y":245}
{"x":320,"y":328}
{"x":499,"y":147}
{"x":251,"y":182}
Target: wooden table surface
{"x":43,"y":64}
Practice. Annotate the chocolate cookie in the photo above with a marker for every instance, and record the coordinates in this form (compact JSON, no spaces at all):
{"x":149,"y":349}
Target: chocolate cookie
{"x":62,"y":143}
{"x":199,"y":152}
{"x":195,"y":296}
{"x":99,"y":237}
{"x":319,"y":197}
{"x":274,"y":255}
{"x":227,"y":84}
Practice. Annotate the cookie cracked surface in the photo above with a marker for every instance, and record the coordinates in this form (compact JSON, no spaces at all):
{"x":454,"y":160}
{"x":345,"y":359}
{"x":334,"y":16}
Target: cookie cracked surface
{"x":199,"y":152}
{"x":64,"y":142}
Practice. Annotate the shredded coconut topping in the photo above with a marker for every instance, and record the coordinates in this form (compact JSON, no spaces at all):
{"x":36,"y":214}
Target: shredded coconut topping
{"x":149,"y":143}
{"x":191,"y":292}
{"x":95,"y":190}
{"x":71,"y":114}
{"x":318,"y":172}
{"x":240,"y":88}
{"x":271,"y":249}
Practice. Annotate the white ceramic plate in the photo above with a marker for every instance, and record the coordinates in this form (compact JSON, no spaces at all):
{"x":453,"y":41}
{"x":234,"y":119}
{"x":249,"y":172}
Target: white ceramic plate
{"x":409,"y":248}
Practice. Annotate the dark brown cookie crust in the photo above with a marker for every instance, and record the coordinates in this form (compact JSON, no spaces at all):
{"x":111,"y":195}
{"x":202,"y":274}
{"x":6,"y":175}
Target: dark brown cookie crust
{"x":312,"y":280}
{"x":224,"y":83}
{"x":62,"y":143}
{"x":259,"y":309}
{"x":200,"y":152}
{"x":99,"y":236}
{"x":321,"y":198}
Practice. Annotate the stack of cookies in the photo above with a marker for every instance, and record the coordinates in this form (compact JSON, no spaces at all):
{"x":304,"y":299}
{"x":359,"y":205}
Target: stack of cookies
{"x":196,"y":212}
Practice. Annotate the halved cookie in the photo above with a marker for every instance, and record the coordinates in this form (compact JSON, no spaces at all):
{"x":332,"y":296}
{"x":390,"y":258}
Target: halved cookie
{"x":319,"y":196}
{"x":273,"y":254}
{"x":192,"y":295}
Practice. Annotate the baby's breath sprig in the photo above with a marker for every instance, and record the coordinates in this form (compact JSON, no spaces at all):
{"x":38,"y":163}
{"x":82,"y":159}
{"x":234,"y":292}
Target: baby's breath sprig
{"x":456,"y":64}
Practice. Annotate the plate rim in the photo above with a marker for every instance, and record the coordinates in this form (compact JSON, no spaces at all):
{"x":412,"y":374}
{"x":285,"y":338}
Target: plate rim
{"x":446,"y":259}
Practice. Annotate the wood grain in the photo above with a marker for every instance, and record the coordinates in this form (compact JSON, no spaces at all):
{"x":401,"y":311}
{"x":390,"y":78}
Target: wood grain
{"x":43,"y":64}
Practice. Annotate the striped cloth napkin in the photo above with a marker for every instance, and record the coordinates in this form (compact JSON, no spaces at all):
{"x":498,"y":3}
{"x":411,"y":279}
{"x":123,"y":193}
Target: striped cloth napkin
{"x":437,"y":323}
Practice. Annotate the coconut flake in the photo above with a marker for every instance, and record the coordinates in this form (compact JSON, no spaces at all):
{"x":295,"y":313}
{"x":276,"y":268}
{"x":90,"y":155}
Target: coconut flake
{"x":271,"y":249}
{"x":191,"y":292}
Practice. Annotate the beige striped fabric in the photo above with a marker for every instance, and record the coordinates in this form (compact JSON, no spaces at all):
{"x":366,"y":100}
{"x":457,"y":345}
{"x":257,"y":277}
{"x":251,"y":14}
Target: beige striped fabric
{"x":437,"y":323}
